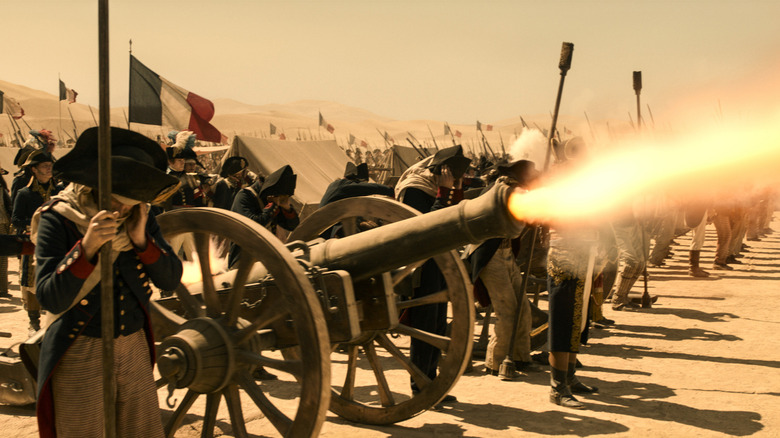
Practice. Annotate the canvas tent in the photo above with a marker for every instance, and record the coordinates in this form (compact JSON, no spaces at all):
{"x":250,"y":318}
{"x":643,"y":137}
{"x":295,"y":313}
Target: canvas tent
{"x":317,"y":164}
{"x":397,"y":161}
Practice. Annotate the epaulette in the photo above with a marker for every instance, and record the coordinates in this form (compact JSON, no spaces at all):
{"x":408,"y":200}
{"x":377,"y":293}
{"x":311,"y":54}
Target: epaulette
{"x":48,"y":204}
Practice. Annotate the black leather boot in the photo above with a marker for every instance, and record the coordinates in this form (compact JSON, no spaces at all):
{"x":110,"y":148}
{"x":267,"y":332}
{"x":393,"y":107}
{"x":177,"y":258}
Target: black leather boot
{"x":575,"y":385}
{"x":560,"y":394}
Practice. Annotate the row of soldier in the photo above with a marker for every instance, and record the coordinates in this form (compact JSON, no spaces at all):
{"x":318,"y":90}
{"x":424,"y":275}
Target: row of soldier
{"x":620,"y":247}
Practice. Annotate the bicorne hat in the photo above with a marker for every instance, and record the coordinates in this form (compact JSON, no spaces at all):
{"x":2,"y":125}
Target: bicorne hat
{"x":138,"y":165}
{"x":37,"y":156}
{"x":453,"y":158}
{"x":523,"y":171}
{"x":359,"y":172}
{"x":281,"y":182}
{"x":233,"y":165}
{"x":22,"y":153}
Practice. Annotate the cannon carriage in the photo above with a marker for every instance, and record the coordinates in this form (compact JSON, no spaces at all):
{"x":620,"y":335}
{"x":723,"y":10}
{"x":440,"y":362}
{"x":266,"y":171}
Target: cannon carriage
{"x":295,"y":308}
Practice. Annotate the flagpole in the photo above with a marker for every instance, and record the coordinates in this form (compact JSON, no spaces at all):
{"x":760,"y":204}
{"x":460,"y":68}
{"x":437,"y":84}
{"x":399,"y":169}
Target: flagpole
{"x":59,"y":106}
{"x":75,"y":130}
{"x":104,"y":203}
{"x":433,"y":138}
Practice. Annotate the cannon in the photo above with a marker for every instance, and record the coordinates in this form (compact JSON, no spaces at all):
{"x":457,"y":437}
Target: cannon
{"x":316,"y":310}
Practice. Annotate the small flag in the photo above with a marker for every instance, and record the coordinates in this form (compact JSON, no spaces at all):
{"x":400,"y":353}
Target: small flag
{"x":363,"y":143}
{"x":66,"y":93}
{"x":9,"y":105}
{"x":156,"y":101}
{"x":351,"y":139}
{"x":479,"y":126}
{"x":447,"y":130}
{"x":282,"y":136}
{"x":458,"y":133}
{"x":326,"y":125}
{"x":488,"y":127}
{"x":223,"y":138}
{"x":273,"y":129}
{"x":567,"y":130}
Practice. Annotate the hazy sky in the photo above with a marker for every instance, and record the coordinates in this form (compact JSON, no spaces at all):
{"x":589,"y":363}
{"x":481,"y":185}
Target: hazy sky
{"x":447,"y":60}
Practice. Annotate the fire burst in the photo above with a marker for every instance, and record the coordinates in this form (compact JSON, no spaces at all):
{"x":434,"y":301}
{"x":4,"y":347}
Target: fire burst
{"x":720,"y":165}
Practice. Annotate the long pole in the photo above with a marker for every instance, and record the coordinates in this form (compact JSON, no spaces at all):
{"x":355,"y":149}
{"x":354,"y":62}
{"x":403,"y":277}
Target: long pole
{"x":507,"y":369}
{"x":646,"y":300}
{"x":75,"y":130}
{"x":59,"y":109}
{"x":93,"y":115}
{"x":433,"y":138}
{"x":104,"y":203}
{"x":564,"y":65}
{"x":638,"y":91}
{"x":592,"y":134}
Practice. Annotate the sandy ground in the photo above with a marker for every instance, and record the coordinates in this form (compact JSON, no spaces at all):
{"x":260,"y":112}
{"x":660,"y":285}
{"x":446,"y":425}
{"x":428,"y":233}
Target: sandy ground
{"x":702,"y":362}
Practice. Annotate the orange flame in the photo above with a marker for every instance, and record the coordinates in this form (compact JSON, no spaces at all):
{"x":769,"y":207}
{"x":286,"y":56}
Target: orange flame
{"x":718,"y":165}
{"x":191,"y":272}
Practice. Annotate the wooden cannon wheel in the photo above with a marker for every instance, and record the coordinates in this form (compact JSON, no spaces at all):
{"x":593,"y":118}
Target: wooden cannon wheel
{"x":376,"y":402}
{"x":207,"y":345}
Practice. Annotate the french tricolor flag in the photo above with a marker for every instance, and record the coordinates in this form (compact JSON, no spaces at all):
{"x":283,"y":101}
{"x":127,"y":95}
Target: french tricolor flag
{"x":156,"y":101}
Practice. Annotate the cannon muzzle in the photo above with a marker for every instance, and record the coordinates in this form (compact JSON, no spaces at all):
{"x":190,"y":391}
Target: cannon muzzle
{"x":401,"y":243}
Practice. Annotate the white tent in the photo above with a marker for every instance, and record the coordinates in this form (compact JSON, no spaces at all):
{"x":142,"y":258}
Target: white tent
{"x":317,"y":164}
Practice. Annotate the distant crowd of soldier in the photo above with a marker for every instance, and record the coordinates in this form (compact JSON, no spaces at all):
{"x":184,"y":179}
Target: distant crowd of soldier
{"x":612,"y":257}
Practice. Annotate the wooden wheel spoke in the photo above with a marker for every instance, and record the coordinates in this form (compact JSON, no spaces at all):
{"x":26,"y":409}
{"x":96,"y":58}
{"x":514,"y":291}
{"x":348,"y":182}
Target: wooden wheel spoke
{"x":164,"y":321}
{"x":281,"y":422}
{"x":233,"y":401}
{"x":266,"y":317}
{"x":210,"y":297}
{"x":438,"y":341}
{"x":191,"y":305}
{"x":399,"y":275}
{"x":245,"y":263}
{"x":178,"y":415}
{"x":210,"y":416}
{"x":294,"y":367}
{"x":434,"y":298}
{"x":418,"y":376}
{"x":348,"y":390}
{"x":385,"y":395}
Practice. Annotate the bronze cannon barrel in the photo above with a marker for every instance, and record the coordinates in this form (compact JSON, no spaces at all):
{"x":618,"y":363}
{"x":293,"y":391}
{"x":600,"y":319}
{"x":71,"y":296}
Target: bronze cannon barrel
{"x":404,"y":242}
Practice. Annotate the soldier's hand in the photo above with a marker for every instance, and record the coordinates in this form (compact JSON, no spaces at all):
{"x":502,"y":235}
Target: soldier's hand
{"x":445,"y":179}
{"x":136,"y":225}
{"x":281,"y":200}
{"x":102,"y":228}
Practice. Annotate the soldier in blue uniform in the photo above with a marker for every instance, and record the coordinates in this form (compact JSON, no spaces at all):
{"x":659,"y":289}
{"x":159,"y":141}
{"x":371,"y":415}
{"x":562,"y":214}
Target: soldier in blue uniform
{"x":40,"y":188}
{"x":429,"y":185}
{"x":68,"y":232}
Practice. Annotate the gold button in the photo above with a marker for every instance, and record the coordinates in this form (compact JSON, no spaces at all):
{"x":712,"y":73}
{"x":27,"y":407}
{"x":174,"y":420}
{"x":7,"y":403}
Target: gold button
{"x":76,"y":254}
{"x":75,"y":329}
{"x":121,"y":298}
{"x":142,"y":275}
{"x":121,"y":312}
{"x":146,"y":284}
{"x":84,"y":302}
{"x":122,"y":327}
{"x":71,"y":336}
{"x":80,"y":323}
{"x":140,"y":265}
{"x":69,"y":261}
